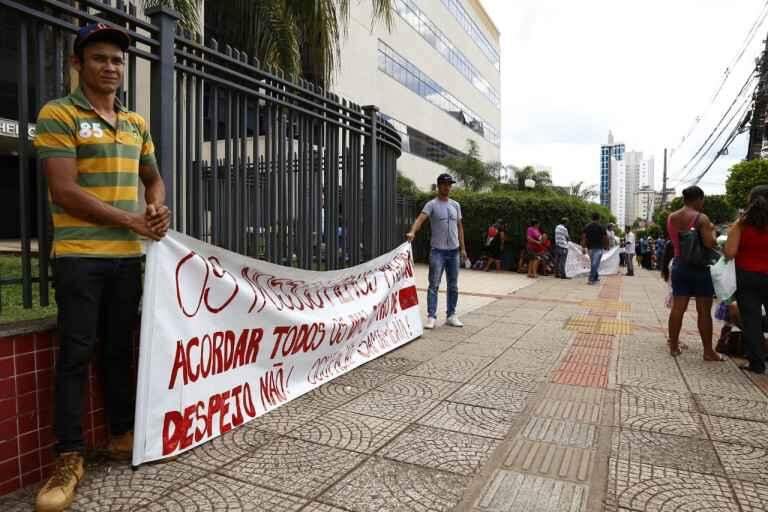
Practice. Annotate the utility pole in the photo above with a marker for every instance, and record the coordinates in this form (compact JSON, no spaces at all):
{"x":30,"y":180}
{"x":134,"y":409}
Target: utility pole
{"x":759,"y":107}
{"x":664,"y":182}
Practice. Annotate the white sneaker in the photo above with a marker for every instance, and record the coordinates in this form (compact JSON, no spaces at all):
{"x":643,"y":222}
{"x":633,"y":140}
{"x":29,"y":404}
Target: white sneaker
{"x":454,"y":321}
{"x":430,"y":323}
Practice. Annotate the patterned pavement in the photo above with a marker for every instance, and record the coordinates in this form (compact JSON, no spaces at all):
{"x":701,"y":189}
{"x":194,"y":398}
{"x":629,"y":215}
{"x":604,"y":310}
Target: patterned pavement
{"x":557,"y":397}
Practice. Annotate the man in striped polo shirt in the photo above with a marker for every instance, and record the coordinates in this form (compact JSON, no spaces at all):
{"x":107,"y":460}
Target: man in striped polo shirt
{"x":94,"y":152}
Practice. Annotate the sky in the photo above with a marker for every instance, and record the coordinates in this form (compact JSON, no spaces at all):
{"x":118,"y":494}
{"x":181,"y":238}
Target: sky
{"x":572,"y":71}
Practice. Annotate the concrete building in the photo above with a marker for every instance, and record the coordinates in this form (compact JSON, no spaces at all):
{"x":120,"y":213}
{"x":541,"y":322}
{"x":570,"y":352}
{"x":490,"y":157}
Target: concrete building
{"x":618,"y":191}
{"x":609,"y":153}
{"x":435,"y":75}
{"x":646,"y":200}
{"x":640,"y":177}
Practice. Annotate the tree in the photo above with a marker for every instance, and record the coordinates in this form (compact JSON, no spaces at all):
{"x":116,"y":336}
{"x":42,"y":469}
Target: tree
{"x":406,"y":187}
{"x":717,"y":208}
{"x":743,"y":178}
{"x":584,"y":193}
{"x":543,"y":179}
{"x":470,"y":171}
{"x":298,"y":37}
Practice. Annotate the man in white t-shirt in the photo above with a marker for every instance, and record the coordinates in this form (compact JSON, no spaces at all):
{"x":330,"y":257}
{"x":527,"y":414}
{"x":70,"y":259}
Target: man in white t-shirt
{"x":630,"y":251}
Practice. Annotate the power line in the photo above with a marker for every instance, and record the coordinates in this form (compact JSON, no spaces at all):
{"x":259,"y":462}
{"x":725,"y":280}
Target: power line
{"x":744,"y":88}
{"x":736,"y":115}
{"x":734,"y":62}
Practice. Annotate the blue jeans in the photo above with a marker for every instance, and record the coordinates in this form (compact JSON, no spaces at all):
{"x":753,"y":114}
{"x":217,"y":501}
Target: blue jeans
{"x":443,"y":260}
{"x":595,"y":255}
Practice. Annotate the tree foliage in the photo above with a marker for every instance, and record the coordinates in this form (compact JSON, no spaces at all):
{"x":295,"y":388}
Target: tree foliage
{"x":406,"y":187}
{"x":743,"y":177}
{"x":301,"y":38}
{"x":471,"y":172}
{"x":717,"y":208}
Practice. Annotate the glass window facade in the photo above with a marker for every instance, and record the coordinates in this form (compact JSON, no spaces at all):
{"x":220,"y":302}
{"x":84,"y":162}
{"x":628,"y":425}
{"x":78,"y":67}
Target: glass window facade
{"x":471,"y":28}
{"x":606,"y":153}
{"x":419,"y":21}
{"x":420,"y":144}
{"x":402,"y":70}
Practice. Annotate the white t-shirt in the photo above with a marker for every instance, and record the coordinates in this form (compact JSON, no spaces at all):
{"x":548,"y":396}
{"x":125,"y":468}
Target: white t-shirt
{"x":630,"y":243}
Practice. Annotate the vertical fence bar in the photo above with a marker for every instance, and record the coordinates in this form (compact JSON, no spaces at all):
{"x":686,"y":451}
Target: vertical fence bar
{"x":200,"y":210}
{"x":42,"y":186}
{"x":280,"y":176}
{"x":372,"y":185}
{"x":180,"y":182}
{"x":190,"y":181}
{"x":23,"y":151}
{"x":242,"y":184}
{"x":214,"y":141}
{"x":291,"y":231}
{"x":228,"y":166}
{"x":163,"y":93}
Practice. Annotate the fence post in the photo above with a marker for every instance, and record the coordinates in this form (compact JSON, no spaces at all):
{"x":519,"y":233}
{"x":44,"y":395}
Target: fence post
{"x":372,"y":185}
{"x":163,"y":99}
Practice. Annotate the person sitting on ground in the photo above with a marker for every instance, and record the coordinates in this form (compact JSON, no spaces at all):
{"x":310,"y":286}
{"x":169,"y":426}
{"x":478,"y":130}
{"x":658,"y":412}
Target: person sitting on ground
{"x":748,"y":243}
{"x":535,"y":249}
{"x":547,"y":260}
{"x":687,"y":279}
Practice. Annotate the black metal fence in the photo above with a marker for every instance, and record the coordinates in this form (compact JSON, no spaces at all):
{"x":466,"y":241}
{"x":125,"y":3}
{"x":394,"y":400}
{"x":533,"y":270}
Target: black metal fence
{"x":252,"y":161}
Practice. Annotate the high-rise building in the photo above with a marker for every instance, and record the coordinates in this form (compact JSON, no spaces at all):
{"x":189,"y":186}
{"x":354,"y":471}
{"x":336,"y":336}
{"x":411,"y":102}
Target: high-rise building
{"x":435,"y":76}
{"x":618,"y":193}
{"x":611,"y":152}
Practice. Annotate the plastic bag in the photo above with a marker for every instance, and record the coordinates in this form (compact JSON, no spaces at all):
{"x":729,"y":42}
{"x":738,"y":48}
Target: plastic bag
{"x":724,"y":278}
{"x":467,"y":263}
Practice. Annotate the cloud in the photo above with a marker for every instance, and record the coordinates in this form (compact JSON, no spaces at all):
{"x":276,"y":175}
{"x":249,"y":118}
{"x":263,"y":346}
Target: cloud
{"x":571,"y":71}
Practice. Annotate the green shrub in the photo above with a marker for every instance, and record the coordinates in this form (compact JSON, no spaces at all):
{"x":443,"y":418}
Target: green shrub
{"x":517,"y":209}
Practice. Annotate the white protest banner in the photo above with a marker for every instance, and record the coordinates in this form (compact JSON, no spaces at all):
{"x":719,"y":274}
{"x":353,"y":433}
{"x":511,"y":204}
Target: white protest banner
{"x":226,"y":338}
{"x":577,"y":263}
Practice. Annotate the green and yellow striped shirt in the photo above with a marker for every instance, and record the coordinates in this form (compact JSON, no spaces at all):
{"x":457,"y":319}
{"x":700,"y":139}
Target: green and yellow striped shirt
{"x":108,"y":161}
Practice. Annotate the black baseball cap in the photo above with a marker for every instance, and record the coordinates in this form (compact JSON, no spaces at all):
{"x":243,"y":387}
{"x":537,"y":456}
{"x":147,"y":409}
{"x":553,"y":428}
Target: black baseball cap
{"x":94,"y":32}
{"x":445,"y":178}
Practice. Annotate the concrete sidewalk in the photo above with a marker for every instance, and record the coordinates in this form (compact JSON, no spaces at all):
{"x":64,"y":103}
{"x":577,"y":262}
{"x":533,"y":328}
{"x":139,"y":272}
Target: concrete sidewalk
{"x":554,"y":397}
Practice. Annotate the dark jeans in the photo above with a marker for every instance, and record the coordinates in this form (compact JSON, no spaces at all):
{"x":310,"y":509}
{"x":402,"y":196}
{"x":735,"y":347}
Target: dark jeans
{"x":752,"y":295}
{"x":98,"y":298}
{"x":561,"y":255}
{"x":440,"y":261}
{"x":595,"y":257}
{"x":630,"y":260}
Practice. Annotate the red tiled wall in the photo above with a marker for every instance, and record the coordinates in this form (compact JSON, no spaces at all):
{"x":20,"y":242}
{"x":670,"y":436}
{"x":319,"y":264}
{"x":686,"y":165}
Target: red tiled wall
{"x":26,"y":409}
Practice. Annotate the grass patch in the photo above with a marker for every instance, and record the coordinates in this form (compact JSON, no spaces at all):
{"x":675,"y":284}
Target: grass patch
{"x":11,"y":295}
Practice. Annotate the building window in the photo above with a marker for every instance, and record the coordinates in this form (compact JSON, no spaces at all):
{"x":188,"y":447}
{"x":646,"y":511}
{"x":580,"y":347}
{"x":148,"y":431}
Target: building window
{"x":397,"y":67}
{"x":474,"y":32}
{"x":413,"y":16}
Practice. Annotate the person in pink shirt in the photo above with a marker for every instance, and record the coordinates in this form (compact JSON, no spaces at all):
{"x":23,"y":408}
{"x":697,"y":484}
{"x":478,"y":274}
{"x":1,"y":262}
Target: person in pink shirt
{"x":534,"y":248}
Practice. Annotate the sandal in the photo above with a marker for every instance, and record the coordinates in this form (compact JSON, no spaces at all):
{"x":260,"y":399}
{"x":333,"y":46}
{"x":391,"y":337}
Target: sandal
{"x":674,"y":348}
{"x":717,"y":358}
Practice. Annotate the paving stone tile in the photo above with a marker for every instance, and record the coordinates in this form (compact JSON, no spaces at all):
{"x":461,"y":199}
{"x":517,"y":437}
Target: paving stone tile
{"x":502,"y":330}
{"x":227,"y":448}
{"x":559,"y":392}
{"x":287,"y":417}
{"x":524,"y":316}
{"x":551,"y":460}
{"x":469,"y":419}
{"x":420,"y":387}
{"x":596,"y":341}
{"x":686,"y":453}
{"x":744,"y":462}
{"x":510,"y":490}
{"x":424,"y":350}
{"x":632,"y":396}
{"x":662,"y":421}
{"x":730,"y":407}
{"x":362,"y":378}
{"x":381,"y":485}
{"x":531,"y":361}
{"x":648,"y":377}
{"x":349,"y":431}
{"x":651,"y":488}
{"x":723,"y":387}
{"x":494,"y":397}
{"x":294,"y":466}
{"x":440,"y":449}
{"x":392,"y":364}
{"x":118,"y":487}
{"x":730,"y":430}
{"x":322,"y":507}
{"x":584,"y":378}
{"x":752,"y":497}
{"x":582,"y":412}
{"x":480,"y":349}
{"x":331,"y":395}
{"x":458,"y":368}
{"x":391,"y":406}
{"x":564,"y":433}
{"x":588,"y":356}
{"x":219,"y":493}
{"x":496,"y":376}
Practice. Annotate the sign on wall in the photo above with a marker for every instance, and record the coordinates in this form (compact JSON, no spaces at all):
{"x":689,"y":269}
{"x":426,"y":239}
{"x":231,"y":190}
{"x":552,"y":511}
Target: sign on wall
{"x":226,"y":338}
